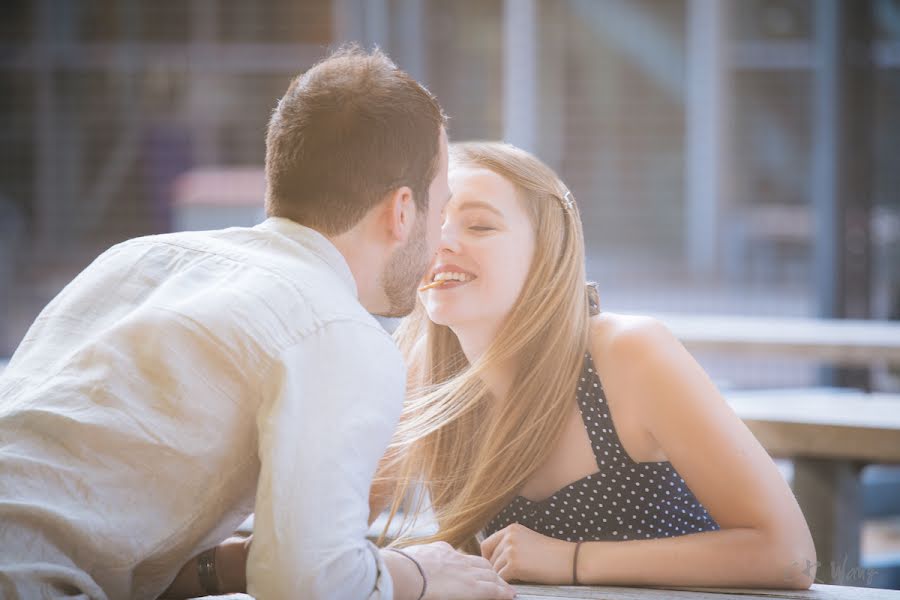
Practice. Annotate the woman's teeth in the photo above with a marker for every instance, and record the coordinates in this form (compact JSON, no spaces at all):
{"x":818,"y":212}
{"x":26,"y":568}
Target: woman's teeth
{"x":451,"y":276}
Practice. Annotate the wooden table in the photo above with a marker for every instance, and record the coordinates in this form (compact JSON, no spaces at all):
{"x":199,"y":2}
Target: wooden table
{"x":550,"y":592}
{"x":830,"y":437}
{"x":816,"y":592}
{"x":843,"y":341}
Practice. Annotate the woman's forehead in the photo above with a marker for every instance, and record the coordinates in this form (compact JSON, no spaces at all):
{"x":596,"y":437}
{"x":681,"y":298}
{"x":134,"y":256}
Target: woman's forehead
{"x":479,"y":184}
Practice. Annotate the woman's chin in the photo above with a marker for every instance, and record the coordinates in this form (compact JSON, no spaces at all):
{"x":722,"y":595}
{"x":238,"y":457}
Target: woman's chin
{"x":439,"y":319}
{"x":442,"y":316}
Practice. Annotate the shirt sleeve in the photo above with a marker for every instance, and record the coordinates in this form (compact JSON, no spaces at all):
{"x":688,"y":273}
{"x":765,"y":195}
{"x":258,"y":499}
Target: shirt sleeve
{"x":332,"y":403}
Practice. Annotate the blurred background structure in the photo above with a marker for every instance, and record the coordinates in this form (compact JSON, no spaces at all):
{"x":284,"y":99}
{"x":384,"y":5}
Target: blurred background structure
{"x":730,"y":157}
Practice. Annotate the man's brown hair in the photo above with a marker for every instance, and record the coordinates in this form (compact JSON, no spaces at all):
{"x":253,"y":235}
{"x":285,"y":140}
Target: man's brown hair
{"x":348,"y":131}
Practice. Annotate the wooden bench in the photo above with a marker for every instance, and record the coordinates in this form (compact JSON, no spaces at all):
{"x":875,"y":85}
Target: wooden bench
{"x":830,"y":437}
{"x":842,"y":341}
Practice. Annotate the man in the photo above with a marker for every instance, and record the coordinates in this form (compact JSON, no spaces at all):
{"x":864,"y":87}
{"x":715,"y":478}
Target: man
{"x":182,"y":381}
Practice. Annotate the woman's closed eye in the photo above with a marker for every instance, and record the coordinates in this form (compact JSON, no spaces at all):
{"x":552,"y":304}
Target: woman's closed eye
{"x":481,"y":228}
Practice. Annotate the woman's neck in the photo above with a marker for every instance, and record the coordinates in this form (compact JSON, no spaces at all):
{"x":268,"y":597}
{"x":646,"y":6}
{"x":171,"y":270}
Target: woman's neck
{"x":475,"y":341}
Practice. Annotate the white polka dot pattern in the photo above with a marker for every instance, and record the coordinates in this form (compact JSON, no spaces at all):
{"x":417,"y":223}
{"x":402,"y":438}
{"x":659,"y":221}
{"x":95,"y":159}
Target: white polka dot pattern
{"x":623,"y":500}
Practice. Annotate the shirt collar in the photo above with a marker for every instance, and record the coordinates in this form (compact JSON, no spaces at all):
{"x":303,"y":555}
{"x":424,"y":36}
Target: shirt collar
{"x":316,"y":243}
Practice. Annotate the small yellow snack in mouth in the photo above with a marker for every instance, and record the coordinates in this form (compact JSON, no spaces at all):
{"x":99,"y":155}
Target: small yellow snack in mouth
{"x":433,"y":284}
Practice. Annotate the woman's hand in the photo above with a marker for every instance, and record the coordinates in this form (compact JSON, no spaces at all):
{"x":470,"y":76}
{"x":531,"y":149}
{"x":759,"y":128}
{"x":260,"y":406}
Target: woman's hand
{"x":520,"y":554}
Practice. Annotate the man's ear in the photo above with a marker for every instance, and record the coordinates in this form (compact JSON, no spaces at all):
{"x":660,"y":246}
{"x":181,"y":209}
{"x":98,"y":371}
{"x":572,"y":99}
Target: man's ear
{"x":399,"y":214}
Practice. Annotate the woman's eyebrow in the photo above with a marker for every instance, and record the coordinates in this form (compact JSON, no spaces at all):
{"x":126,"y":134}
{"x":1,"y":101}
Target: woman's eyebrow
{"x":472,"y":204}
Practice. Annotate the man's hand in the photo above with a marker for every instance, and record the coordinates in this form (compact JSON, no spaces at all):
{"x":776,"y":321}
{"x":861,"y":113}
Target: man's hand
{"x":452,"y":574}
{"x":520,"y":554}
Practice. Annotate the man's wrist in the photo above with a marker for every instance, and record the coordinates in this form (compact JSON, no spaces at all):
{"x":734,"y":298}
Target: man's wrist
{"x":207,"y":571}
{"x":231,"y":565}
{"x":408,"y":581}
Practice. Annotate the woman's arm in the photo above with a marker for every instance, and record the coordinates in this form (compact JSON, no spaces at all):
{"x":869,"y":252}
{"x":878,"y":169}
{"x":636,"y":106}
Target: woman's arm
{"x":724,"y":558}
{"x":764,"y":539}
{"x":738,"y":557}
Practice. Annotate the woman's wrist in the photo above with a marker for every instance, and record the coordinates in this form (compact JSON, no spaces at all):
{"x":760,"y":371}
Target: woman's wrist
{"x":576,"y":552}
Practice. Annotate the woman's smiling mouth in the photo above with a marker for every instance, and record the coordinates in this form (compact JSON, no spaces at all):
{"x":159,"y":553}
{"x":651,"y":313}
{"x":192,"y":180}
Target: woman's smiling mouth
{"x":448,"y":276}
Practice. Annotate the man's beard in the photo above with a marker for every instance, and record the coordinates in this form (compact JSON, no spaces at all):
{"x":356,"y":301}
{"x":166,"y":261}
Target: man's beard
{"x":404,"y":272}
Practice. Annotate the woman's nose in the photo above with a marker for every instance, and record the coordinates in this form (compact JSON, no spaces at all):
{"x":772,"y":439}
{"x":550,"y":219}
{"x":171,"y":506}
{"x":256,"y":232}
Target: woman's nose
{"x":449,"y":239}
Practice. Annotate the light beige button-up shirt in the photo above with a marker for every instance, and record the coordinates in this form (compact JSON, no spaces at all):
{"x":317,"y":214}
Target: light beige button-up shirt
{"x":178,"y":382}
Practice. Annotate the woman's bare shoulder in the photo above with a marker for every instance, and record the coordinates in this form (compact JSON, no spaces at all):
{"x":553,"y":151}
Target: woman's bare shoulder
{"x":609,"y":329}
{"x":620,"y":346}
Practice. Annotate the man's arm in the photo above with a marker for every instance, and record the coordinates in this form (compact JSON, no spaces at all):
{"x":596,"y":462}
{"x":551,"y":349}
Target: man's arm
{"x":330,"y":406}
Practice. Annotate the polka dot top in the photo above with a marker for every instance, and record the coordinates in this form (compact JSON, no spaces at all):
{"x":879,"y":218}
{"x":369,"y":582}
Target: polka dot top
{"x":623,"y":500}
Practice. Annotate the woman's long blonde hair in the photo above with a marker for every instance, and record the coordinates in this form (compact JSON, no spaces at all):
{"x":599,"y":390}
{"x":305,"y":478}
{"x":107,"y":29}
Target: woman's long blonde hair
{"x":473,"y":451}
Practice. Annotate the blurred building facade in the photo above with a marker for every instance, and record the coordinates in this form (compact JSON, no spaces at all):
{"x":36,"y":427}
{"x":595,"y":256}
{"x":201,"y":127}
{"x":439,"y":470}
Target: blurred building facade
{"x":726,"y":156}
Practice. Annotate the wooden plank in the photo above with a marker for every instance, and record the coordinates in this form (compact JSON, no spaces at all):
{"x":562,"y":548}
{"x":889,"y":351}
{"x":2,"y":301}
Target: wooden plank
{"x":550,"y":592}
{"x":851,"y":426}
{"x":845,"y":341}
{"x":816,"y":592}
{"x":791,"y":440}
{"x":823,"y":407}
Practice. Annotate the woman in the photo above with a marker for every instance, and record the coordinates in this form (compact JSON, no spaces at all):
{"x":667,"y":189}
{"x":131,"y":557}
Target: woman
{"x":579,"y":446}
